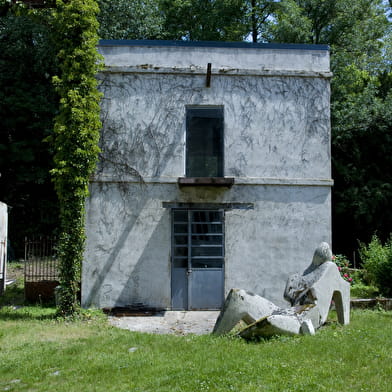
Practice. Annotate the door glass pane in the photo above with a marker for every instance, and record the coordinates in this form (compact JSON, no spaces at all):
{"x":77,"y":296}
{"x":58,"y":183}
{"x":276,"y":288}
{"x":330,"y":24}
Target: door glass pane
{"x":204,"y":246}
{"x":207,"y":263}
{"x":207,"y":251}
{"x":181,"y":251}
{"x":180,"y":216}
{"x":180,"y":239}
{"x":207,"y":239}
{"x":180,"y":228}
{"x":179,"y":262}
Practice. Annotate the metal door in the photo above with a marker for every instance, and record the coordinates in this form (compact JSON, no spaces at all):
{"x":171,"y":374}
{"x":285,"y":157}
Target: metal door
{"x":197,"y":259}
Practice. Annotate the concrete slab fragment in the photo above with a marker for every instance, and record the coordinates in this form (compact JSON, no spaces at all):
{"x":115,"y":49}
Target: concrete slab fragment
{"x":310,"y":295}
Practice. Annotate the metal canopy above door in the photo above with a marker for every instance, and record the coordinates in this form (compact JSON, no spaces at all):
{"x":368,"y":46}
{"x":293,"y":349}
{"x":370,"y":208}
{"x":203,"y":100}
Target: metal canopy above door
{"x":197,"y":259}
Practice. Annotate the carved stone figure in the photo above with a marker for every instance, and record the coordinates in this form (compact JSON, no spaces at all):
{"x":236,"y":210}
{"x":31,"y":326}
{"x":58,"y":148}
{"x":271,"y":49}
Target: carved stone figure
{"x":309,"y":294}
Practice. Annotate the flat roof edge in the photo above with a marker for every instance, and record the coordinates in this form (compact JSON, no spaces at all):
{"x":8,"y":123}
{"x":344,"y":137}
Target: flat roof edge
{"x":212,"y":44}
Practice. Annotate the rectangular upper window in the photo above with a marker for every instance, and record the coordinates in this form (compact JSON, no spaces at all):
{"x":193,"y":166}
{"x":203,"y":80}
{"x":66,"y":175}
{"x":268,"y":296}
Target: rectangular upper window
{"x":204,"y":142}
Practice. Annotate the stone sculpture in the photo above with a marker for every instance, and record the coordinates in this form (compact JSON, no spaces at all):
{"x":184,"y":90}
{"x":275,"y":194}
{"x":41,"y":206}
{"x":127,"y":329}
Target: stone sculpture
{"x":309,"y":294}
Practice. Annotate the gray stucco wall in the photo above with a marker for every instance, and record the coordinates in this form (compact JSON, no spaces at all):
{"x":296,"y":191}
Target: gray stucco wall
{"x":277,"y":147}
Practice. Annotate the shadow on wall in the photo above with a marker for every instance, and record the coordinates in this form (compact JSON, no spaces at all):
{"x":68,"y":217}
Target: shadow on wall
{"x":137,"y":268}
{"x":149,"y":282}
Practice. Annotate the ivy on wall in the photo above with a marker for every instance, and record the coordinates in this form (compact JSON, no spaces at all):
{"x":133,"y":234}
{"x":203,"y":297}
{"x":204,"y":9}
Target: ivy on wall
{"x":76,"y":134}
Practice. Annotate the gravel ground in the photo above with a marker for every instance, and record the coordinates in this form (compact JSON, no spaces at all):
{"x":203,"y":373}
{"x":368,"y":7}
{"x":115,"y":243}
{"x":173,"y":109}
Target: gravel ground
{"x":170,"y":322}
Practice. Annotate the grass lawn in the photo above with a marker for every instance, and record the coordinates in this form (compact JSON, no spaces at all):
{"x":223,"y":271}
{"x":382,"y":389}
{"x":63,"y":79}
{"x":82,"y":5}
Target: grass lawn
{"x":40,"y":353}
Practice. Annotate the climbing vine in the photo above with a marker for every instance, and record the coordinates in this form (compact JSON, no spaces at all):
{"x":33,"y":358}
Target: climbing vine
{"x":76,"y":134}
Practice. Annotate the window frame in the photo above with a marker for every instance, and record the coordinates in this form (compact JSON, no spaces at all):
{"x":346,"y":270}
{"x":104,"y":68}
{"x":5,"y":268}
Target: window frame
{"x":205,"y":111}
{"x":192,"y":241}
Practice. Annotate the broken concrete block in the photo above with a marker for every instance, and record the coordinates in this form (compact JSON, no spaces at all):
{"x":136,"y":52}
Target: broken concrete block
{"x":290,"y":321}
{"x":307,"y":328}
{"x":310,"y":295}
{"x":242,"y":305}
{"x":271,"y":326}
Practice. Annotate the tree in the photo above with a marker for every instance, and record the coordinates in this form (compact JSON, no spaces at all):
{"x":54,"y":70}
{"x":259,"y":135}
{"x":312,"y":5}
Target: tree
{"x":208,"y":20}
{"x":76,"y":134}
{"x":125,"y":19}
{"x":259,"y":16}
{"x":28,"y":104}
{"x":358,"y":32}
{"x":362,"y":158}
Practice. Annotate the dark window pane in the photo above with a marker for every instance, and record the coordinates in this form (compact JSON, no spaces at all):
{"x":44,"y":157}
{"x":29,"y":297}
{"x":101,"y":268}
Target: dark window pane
{"x":180,"y":216}
{"x":180,"y":263}
{"x":180,"y":228}
{"x":207,"y":251}
{"x":204,"y":142}
{"x":207,"y":263}
{"x":207,"y":239}
{"x":181,"y":251}
{"x":180,"y":240}
{"x":207,"y":216}
{"x":206,"y":228}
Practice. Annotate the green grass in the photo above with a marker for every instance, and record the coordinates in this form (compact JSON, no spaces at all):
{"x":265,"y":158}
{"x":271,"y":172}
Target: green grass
{"x":361,"y":290}
{"x":40,"y":353}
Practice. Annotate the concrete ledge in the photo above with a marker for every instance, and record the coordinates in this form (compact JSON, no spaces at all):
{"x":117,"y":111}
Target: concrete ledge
{"x":369,"y":303}
{"x":193,"y":70}
{"x":211,"y":44}
{"x":206,"y":181}
{"x":243,"y":56}
{"x":236,"y":180}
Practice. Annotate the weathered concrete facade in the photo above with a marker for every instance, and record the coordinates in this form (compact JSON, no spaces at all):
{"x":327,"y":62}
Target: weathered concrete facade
{"x":275,"y":101}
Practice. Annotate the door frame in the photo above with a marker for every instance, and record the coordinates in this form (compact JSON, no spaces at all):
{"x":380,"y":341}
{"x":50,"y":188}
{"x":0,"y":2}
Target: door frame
{"x":182,"y":277}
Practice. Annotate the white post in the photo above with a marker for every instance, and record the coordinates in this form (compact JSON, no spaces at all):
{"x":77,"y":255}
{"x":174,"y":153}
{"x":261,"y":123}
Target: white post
{"x":3,"y":245}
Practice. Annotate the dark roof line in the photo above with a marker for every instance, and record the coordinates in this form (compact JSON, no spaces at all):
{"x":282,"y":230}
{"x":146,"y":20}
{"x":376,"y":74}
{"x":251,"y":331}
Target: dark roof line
{"x":211,"y":44}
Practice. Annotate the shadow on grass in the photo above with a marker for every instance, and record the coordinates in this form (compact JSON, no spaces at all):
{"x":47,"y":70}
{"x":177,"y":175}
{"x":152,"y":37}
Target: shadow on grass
{"x":13,"y":295}
{"x":37,"y":312}
{"x":13,"y":305}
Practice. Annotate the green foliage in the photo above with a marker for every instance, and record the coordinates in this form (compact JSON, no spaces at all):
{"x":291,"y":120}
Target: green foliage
{"x":359,"y":34}
{"x":258,"y":18}
{"x":28,"y":104}
{"x":362,"y":290}
{"x":362,"y":140}
{"x":124,"y":19}
{"x":291,"y":25}
{"x":377,"y":260}
{"x":343,"y":265}
{"x":352,"y":25}
{"x":76,"y":134}
{"x":208,"y":20}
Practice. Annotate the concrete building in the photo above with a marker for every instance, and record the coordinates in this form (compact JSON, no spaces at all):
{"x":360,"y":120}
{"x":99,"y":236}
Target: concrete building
{"x":214,"y":173}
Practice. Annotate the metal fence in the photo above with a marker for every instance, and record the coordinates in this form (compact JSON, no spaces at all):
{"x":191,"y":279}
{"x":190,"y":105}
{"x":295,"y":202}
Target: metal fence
{"x":41,"y":273}
{"x":40,"y":259}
